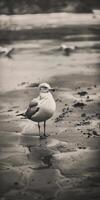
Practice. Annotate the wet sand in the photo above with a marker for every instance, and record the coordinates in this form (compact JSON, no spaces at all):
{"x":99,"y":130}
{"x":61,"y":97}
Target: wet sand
{"x":65,"y":165}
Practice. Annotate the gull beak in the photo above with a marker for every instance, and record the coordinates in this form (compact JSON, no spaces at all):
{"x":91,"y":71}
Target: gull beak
{"x":52,"y":89}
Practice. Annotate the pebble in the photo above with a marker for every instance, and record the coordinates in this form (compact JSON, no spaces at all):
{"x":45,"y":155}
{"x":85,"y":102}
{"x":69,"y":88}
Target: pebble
{"x":82,"y":93}
{"x":79,"y":105}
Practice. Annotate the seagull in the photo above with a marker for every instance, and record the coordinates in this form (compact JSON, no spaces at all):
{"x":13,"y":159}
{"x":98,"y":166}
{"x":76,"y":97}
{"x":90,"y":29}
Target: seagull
{"x":42,"y":108}
{"x":6,"y":51}
{"x":67,"y":49}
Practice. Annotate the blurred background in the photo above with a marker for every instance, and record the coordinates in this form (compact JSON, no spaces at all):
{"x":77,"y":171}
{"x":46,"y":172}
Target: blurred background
{"x":58,"y":42}
{"x":40,"y":6}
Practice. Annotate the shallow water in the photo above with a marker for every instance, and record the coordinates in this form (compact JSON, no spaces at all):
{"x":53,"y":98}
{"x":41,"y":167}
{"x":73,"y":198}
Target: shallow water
{"x":45,"y":62}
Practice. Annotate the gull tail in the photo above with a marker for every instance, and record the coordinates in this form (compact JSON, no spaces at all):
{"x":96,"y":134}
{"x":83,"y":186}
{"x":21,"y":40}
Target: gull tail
{"x":21,"y":114}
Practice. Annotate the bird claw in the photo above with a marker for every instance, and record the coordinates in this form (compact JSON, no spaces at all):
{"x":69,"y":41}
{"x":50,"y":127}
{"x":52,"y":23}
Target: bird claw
{"x":43,"y":136}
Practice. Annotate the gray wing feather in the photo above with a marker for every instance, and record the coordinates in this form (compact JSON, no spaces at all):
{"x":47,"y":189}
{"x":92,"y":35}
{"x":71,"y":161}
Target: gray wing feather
{"x":33,"y":104}
{"x":32,"y":109}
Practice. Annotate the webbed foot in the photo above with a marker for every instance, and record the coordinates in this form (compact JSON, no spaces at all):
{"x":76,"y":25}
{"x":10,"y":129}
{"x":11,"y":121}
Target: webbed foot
{"x":43,"y":136}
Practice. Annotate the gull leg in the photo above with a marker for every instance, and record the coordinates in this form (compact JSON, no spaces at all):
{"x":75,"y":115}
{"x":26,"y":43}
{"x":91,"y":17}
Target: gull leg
{"x":45,"y":129}
{"x":39,"y":128}
{"x":44,"y":135}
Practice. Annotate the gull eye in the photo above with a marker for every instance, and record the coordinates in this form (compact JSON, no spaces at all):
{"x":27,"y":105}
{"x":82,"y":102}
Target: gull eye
{"x":44,"y":87}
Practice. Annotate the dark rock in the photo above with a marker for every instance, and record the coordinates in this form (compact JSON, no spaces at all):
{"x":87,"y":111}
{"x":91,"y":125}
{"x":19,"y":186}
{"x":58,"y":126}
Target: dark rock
{"x":17,"y":111}
{"x":88,"y":118}
{"x":33,"y":85}
{"x":79,"y":105}
{"x":77,"y":88}
{"x":58,"y":100}
{"x":98,"y":115}
{"x":16,"y":183}
{"x":81,"y":147}
{"x":91,"y":133}
{"x":64,"y":110}
{"x":23,"y":83}
{"x":89,"y":100}
{"x":82,"y":93}
{"x":83,"y":115}
{"x":89,"y":88}
{"x":61,"y":115}
{"x":84,"y":133}
{"x":10,"y":110}
{"x":83,"y":123}
{"x":57,"y":119}
{"x":95,"y":133}
{"x":70,"y":110}
{"x":67,"y":108}
{"x":86,"y":123}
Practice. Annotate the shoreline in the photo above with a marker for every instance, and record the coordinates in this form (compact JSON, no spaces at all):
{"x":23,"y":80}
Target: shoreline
{"x":51,"y":26}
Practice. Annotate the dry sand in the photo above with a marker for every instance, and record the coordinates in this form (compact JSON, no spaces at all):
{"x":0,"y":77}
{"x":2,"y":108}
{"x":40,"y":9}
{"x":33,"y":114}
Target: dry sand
{"x":65,"y":165}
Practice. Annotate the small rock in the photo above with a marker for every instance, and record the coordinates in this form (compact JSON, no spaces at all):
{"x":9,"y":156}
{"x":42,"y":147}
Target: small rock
{"x":82,"y":93}
{"x":58,"y":100}
{"x":83,"y":115}
{"x":88,"y":118}
{"x":89,"y":100}
{"x":77,"y":88}
{"x":89,"y":88}
{"x":79,"y":104}
{"x":81,"y":147}
{"x":95,"y":133}
{"x":57,"y":119}
{"x":23,"y":83}
{"x":16,"y":183}
{"x":34,"y":85}
{"x":83,"y":123}
{"x":17,"y":111}
{"x":64,"y":110}
{"x":86,"y":123}
{"x":10,"y":110}
{"x":98,"y":115}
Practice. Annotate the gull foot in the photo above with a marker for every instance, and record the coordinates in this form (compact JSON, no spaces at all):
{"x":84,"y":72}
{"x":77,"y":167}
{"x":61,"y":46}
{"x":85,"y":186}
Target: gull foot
{"x":43,"y":136}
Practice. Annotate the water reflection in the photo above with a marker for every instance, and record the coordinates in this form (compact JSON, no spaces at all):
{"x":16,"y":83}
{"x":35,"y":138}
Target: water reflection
{"x":38,"y":151}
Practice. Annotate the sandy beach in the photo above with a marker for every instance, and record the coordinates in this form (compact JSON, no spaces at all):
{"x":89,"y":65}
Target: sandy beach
{"x":65,"y":165}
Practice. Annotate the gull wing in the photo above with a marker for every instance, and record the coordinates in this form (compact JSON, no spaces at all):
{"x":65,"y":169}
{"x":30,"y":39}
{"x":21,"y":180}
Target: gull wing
{"x":32,"y":109}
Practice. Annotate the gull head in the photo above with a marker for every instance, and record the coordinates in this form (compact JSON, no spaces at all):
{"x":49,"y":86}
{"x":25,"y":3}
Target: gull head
{"x":45,"y":87}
